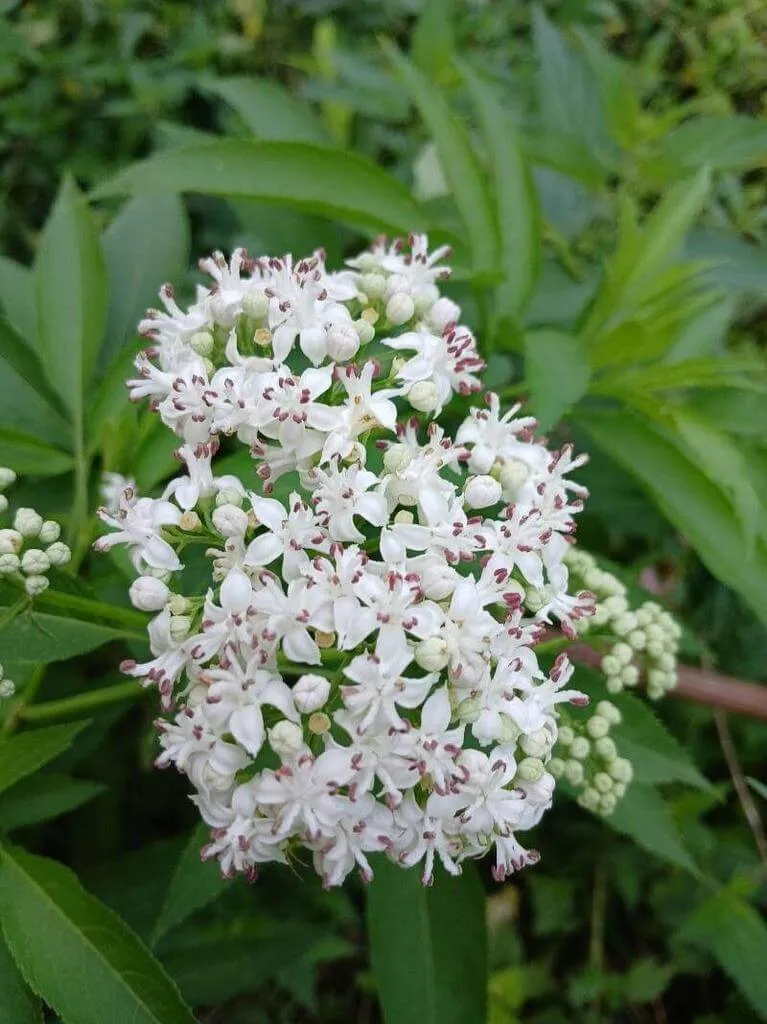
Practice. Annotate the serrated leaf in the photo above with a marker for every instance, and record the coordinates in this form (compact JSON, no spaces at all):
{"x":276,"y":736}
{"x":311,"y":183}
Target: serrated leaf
{"x":44,"y":797}
{"x":460,"y":166}
{"x":90,"y":967}
{"x":686,"y":496}
{"x":557,"y":373}
{"x":17,"y":1004}
{"x":270,"y":110}
{"x":428,"y":945}
{"x":516,"y":202}
{"x":645,"y":818}
{"x":146,"y":244}
{"x":736,"y":936}
{"x":195,"y":883}
{"x":38,"y":637}
{"x":17,"y":299}
{"x":71,"y":288}
{"x":23,"y":754}
{"x":315,"y":178}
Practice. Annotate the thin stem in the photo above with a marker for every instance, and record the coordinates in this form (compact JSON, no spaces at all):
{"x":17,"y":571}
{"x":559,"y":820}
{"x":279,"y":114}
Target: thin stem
{"x":597,"y":936}
{"x":82,"y":703}
{"x":750,"y":811}
{"x":26,"y":697}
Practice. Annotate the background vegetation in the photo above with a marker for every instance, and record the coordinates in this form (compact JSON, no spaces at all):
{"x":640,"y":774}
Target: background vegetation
{"x":599,"y":169}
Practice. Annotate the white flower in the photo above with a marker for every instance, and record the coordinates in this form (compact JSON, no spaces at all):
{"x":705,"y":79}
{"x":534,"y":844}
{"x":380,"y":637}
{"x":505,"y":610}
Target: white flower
{"x":139,"y":526}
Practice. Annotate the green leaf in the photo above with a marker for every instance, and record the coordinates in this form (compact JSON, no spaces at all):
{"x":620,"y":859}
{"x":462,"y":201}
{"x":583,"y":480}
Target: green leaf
{"x":71,"y":286}
{"x":646,"y":981}
{"x":17,"y":299}
{"x":459,"y":163}
{"x":89,"y":966}
{"x":37,"y":637}
{"x":728,"y":143}
{"x":26,"y":404}
{"x":557,"y":373}
{"x":736,"y":936}
{"x":685,"y":495}
{"x":17,"y":1004}
{"x":270,"y":110}
{"x":314,"y":178}
{"x":428,"y":945}
{"x":644,"y":817}
{"x":518,"y":216}
{"x":154,"y":460}
{"x":24,"y":361}
{"x":44,"y":797}
{"x":30,"y":457}
{"x":23,"y":754}
{"x":432,"y":43}
{"x":757,"y":786}
{"x":146,"y":244}
{"x":618,"y":91}
{"x":195,"y":884}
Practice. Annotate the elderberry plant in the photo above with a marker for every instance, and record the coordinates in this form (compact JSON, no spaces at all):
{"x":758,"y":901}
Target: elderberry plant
{"x":363,"y":671}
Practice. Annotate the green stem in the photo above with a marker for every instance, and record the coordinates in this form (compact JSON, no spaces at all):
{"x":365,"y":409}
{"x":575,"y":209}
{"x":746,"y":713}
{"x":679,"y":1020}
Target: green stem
{"x":597,"y":937}
{"x":131,"y":623}
{"x":82,"y":703}
{"x":78,"y":533}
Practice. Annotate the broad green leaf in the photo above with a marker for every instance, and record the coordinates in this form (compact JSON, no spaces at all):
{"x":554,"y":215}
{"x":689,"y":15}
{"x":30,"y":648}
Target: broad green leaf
{"x":213,"y":971}
{"x":145,"y":245}
{"x":23,"y":360}
{"x":516,"y":203}
{"x":195,"y":884}
{"x":23,"y":754}
{"x":17,"y":299}
{"x":38,"y":637}
{"x":728,"y":143}
{"x":44,"y":797}
{"x":270,"y":110}
{"x":71,"y":287}
{"x":569,"y":101}
{"x":726,"y":466}
{"x":314,"y":178}
{"x":685,"y":495}
{"x":742,"y":413}
{"x":617,"y":88}
{"x":644,"y":817}
{"x":90,"y":967}
{"x":736,"y":936}
{"x":735,"y":265}
{"x":30,"y":457}
{"x":17,"y":1004}
{"x":459,"y":163}
{"x":25,"y":400}
{"x":428,"y":945}
{"x":744,"y":374}
{"x":154,"y":460}
{"x":557,"y":373}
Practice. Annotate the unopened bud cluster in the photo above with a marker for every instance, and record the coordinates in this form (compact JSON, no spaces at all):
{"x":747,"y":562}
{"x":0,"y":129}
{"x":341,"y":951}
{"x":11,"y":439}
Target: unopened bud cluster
{"x":30,"y":547}
{"x":7,"y":686}
{"x":587,"y":757}
{"x":644,"y":641}
{"x":360,"y":674}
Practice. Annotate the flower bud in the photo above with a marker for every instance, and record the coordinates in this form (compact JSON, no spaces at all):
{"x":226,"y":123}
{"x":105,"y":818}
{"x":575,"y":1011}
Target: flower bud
{"x":590,"y":799}
{"x":443,"y":312}
{"x":513,"y":475}
{"x":608,"y":803}
{"x":319,"y":723}
{"x":342,"y":342}
{"x":608,"y":710}
{"x":35,"y":562}
{"x":482,"y":460}
{"x":180,"y":626}
{"x":230,"y":521}
{"x":597,"y":727}
{"x":324,"y":640}
{"x":423,"y":396}
{"x":59,"y":553}
{"x":404,"y":517}
{"x":606,"y":748}
{"x":9,"y":563}
{"x":602,"y":782}
{"x":556,"y":767}
{"x":255,"y":304}
{"x":285,"y":739}
{"x":397,"y":458}
{"x":310,"y":693}
{"x":530,"y":769}
{"x":621,"y":770}
{"x":438,"y":580}
{"x":431,"y":654}
{"x":35,"y":585}
{"x":178,"y":604}
{"x":49,"y":531}
{"x":202,"y":343}
{"x":580,"y":748}
{"x":7,"y":688}
{"x":399,"y":309}
{"x":574,"y":772}
{"x":189,"y":522}
{"x":469,"y":709}
{"x":364,"y":331}
{"x":373,"y":285}
{"x":7,"y":477}
{"x":566,"y":736}
{"x":482,"y":492}
{"x":28,"y":522}
{"x":11,"y":542}
{"x":148,"y":594}
{"x":537,"y":743}
{"x":229,"y":496}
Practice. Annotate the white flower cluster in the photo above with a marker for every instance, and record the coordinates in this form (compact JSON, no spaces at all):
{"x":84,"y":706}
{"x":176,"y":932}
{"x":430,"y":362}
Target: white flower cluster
{"x":31,"y":547}
{"x":587,"y":757}
{"x":643,"y":643}
{"x":361,"y":674}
